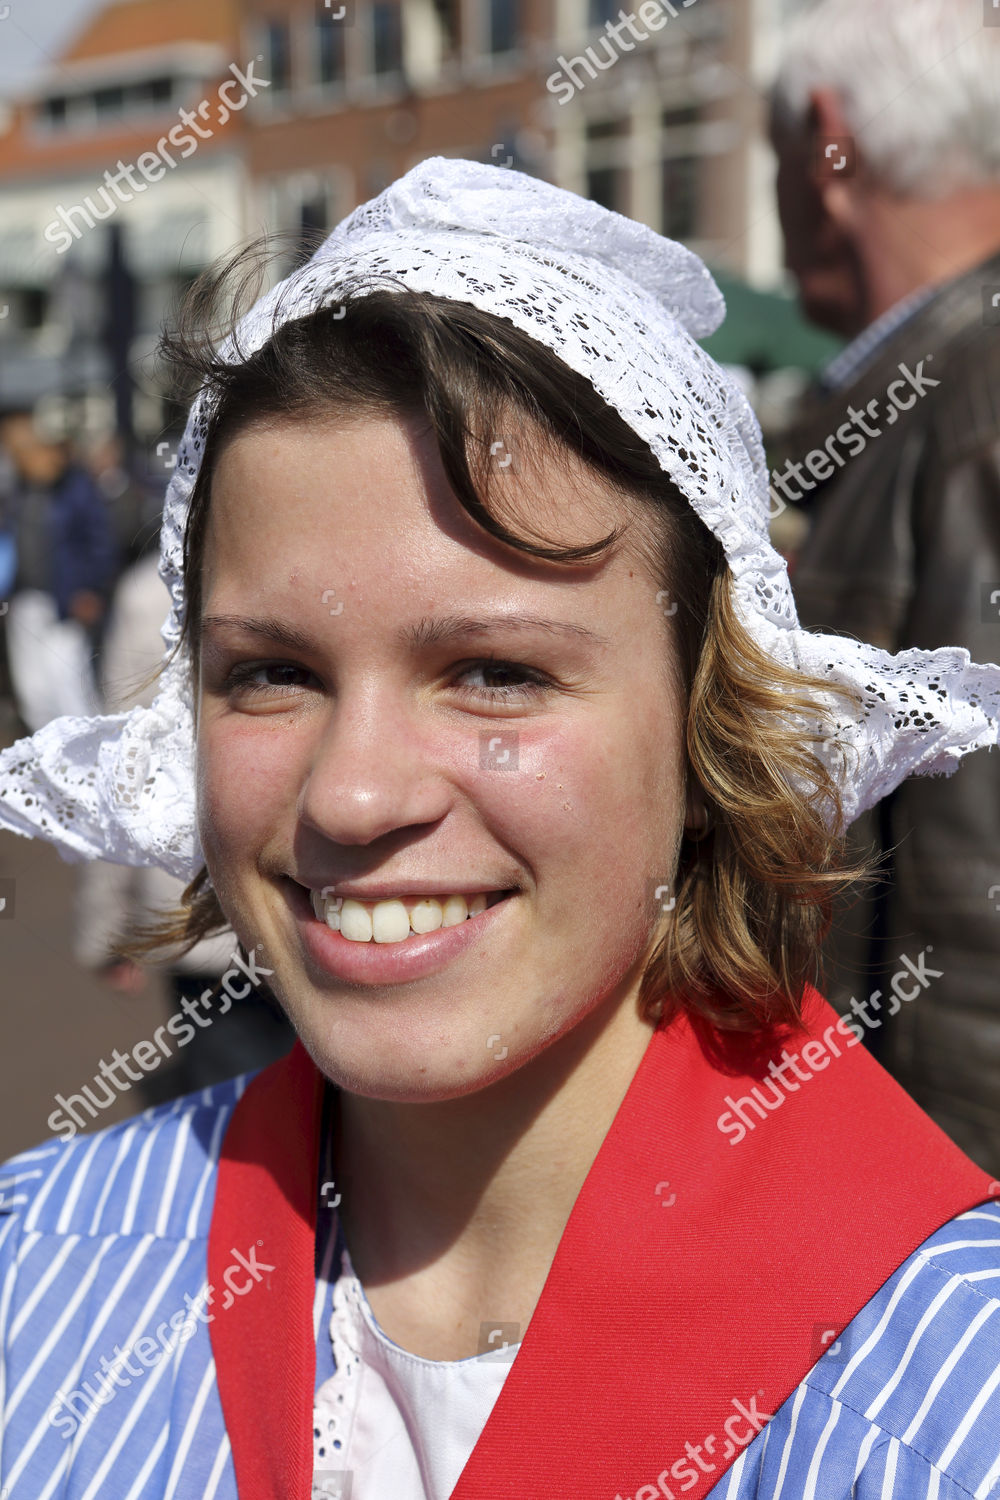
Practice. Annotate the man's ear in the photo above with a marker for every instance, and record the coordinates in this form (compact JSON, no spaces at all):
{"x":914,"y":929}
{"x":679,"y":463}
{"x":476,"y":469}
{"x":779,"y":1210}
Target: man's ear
{"x":835,"y":161}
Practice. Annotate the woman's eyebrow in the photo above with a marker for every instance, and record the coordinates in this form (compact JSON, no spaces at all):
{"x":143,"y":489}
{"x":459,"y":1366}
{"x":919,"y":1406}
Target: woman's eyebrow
{"x":447,"y":628}
{"x":429,"y":632}
{"x":272,"y":630}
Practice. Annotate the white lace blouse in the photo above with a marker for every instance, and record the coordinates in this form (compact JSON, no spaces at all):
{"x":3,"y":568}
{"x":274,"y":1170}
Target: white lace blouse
{"x":388,"y":1422}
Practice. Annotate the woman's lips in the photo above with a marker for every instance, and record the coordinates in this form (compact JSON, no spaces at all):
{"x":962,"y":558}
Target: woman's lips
{"x":387,"y":963}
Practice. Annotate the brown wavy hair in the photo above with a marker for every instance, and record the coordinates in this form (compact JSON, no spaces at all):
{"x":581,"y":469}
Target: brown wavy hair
{"x":754,"y":896}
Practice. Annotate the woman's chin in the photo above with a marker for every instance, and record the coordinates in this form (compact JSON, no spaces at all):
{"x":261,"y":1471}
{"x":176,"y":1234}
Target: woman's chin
{"x":404,"y":1072}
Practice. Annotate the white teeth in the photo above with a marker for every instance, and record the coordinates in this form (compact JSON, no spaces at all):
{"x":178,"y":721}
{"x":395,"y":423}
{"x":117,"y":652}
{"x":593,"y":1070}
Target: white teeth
{"x":355,"y":922}
{"x":391,"y":921}
{"x":454,"y":910}
{"x":425,"y":916}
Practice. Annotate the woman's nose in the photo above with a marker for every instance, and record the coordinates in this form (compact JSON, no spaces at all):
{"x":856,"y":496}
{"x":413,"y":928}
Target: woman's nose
{"x":372,"y":771}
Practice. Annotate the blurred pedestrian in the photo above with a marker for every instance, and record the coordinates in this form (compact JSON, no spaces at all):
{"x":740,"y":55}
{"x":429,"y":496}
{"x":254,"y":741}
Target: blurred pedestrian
{"x":65,"y":564}
{"x":252,"y":1031}
{"x":884,"y":118}
{"x":8,"y":548}
{"x":134,"y":497}
{"x":8,"y":571}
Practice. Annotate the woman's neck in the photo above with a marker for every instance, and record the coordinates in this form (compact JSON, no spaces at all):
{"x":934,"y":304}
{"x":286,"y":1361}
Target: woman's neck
{"x":453,"y":1210}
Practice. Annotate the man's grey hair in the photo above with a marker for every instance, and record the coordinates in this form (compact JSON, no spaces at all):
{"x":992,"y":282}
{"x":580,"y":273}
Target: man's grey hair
{"x":919,"y":82}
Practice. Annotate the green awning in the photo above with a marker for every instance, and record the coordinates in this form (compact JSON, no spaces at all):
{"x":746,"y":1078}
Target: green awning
{"x":766,"y":331}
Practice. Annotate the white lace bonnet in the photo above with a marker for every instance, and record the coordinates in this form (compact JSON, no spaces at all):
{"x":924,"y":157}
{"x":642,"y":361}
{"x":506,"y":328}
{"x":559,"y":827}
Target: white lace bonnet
{"x":623,"y":307}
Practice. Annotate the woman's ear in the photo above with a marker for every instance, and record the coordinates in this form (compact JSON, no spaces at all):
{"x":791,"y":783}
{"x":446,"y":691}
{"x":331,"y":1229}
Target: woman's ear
{"x":697,"y":818}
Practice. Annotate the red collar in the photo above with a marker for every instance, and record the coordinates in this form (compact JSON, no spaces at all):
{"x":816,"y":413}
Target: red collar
{"x":695,"y":1274}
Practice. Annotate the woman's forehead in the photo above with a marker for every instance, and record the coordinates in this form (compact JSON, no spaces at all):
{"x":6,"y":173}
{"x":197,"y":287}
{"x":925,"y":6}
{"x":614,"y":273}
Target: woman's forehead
{"x":370,"y":492}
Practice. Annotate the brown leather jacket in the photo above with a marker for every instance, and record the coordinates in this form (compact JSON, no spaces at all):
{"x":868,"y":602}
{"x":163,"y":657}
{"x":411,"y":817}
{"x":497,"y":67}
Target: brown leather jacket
{"x":903,"y":550}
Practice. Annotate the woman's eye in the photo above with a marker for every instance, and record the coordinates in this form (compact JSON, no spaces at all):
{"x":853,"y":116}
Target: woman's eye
{"x":266,"y":677}
{"x":500,"y":681}
{"x":528,"y":681}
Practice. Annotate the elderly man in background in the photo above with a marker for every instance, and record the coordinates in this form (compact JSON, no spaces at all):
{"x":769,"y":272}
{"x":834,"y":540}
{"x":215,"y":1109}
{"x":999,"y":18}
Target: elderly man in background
{"x":886,"y":121}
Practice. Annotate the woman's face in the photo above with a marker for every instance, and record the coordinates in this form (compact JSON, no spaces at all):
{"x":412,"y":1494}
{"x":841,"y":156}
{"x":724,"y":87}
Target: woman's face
{"x":351,"y":732}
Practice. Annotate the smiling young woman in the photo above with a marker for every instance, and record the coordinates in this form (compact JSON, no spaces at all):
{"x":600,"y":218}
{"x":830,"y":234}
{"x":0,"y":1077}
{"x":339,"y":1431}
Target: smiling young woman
{"x":400,"y":397}
{"x":488,"y":722}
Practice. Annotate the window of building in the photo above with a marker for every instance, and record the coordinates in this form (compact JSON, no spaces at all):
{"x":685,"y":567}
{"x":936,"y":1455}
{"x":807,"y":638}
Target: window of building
{"x":34,"y":307}
{"x":600,"y":12}
{"x":502,"y":27}
{"x":154,"y":92}
{"x":54,"y":112}
{"x":684,"y":114}
{"x":387,"y":39}
{"x":330,"y":51}
{"x":449,"y":27}
{"x":277,"y":65}
{"x":605,"y":175}
{"x":26,"y":309}
{"x":109,"y":105}
{"x":679,"y":197}
{"x":606,"y":130}
{"x":604,"y":186}
{"x":302,"y":206}
{"x":314,"y":222}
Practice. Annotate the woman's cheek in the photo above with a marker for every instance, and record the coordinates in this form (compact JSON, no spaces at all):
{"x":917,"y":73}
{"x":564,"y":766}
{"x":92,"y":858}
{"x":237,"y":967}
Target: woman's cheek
{"x":578,"y":818}
{"x":245,"y":777}
{"x":519,"y":766}
{"x":545,"y":807}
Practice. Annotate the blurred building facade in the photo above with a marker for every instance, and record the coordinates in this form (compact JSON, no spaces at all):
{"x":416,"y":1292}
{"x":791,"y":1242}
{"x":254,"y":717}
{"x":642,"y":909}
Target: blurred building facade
{"x":663,"y":129}
{"x":88,"y":269}
{"x":657,"y":117}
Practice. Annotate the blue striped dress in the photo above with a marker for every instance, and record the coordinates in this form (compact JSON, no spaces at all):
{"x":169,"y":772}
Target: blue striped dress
{"x":108,"y":1388}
